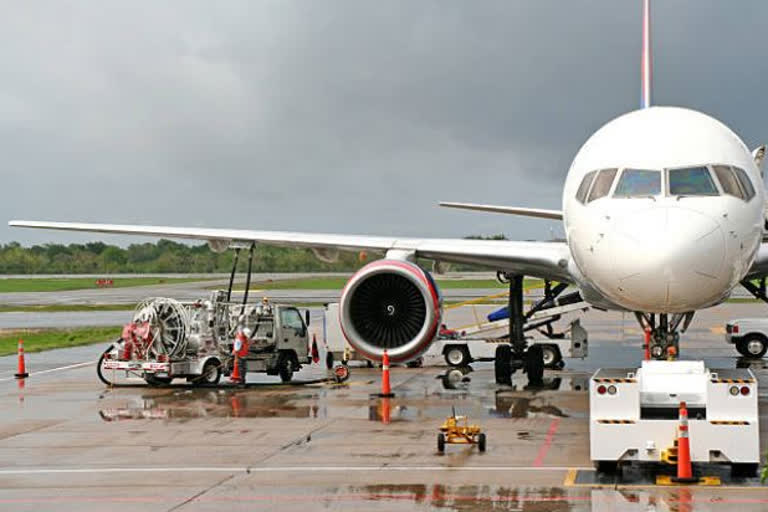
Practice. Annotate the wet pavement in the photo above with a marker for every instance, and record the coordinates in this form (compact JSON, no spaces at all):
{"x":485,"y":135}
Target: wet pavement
{"x":69,"y":443}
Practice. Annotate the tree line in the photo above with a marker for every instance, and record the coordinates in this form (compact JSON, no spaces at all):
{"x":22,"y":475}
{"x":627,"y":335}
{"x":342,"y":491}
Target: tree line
{"x":166,"y":256}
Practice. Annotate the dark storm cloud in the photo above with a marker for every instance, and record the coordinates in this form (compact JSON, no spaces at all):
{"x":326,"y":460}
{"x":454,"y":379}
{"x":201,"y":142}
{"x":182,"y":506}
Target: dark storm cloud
{"x":349,"y":116}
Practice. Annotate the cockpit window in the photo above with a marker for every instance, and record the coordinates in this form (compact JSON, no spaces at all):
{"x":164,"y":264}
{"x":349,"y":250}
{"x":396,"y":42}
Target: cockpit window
{"x":581,"y":194}
{"x":728,"y":181}
{"x":691,"y":181}
{"x":602,"y":184}
{"x":746,"y":183}
{"x":638,"y":183}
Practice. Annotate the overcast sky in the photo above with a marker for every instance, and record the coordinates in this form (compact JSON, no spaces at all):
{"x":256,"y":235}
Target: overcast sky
{"x":340,"y":116}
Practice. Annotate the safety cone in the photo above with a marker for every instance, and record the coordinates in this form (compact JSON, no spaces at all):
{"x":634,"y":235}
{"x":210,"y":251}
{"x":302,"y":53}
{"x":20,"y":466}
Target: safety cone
{"x":236,"y":377}
{"x":684,"y":468}
{"x":647,"y":344}
{"x":315,"y":352}
{"x":22,"y":370}
{"x":385,"y":411}
{"x":386,"y":389}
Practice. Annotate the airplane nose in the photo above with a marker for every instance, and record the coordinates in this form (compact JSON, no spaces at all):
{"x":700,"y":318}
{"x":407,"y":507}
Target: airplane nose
{"x":668,"y":259}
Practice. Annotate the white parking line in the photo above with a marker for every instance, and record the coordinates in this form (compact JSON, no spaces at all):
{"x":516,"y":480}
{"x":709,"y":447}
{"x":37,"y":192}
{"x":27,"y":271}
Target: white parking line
{"x":52,"y":370}
{"x":283,"y":469}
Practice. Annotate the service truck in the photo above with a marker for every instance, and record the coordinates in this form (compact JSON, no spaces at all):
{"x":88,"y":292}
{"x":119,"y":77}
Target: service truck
{"x":749,"y":336}
{"x":168,"y":339}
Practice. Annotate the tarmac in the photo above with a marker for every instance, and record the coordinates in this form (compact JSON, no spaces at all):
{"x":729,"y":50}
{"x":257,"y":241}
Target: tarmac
{"x":69,"y":443}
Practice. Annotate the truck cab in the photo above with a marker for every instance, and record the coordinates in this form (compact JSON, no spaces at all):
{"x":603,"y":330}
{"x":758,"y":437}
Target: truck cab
{"x":279,"y":340}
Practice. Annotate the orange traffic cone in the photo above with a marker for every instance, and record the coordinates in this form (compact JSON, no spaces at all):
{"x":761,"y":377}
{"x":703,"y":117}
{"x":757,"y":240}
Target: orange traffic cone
{"x":684,"y":467}
{"x":385,"y":411}
{"x":315,"y":352}
{"x":386,"y":390}
{"x":647,"y":344}
{"x":22,"y":370}
{"x":236,"y":377}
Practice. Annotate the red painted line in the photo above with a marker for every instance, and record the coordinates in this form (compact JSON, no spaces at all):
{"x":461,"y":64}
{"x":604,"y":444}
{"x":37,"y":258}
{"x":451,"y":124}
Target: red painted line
{"x":547,"y":442}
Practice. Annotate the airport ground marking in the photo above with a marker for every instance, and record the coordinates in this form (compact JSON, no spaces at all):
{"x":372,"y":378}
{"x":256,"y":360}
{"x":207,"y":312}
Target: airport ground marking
{"x":553,"y":426}
{"x":53,"y":370}
{"x":282,"y":469}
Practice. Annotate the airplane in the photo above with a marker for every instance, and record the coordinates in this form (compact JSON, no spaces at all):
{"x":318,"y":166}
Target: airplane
{"x":664,"y":214}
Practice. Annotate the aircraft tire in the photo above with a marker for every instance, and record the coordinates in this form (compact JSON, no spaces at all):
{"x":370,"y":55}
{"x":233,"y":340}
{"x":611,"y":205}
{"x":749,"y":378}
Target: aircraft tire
{"x":502,"y":364}
{"x":534,"y":364}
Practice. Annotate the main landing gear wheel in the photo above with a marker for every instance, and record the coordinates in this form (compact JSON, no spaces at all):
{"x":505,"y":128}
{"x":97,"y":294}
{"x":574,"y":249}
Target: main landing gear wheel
{"x":754,"y":346}
{"x":533,"y":362}
{"x":502,"y":364}
{"x":457,"y":356}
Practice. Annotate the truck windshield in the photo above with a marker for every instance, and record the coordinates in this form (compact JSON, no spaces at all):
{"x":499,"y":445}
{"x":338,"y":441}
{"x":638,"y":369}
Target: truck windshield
{"x":291,"y":318}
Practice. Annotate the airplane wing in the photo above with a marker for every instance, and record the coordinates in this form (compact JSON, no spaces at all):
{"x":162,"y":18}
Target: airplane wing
{"x":548,"y":260}
{"x":510,"y":210}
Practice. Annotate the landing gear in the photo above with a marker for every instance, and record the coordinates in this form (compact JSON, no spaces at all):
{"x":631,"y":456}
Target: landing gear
{"x":665,"y":338}
{"x":518,"y":355}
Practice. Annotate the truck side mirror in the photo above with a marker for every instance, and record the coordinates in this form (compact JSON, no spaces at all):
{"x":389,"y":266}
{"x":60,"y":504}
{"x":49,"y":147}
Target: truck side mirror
{"x":306,"y":317}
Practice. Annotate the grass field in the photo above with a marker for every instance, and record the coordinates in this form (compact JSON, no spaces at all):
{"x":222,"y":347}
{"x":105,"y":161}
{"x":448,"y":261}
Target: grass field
{"x":337,"y":283}
{"x":38,"y":340}
{"x":62,"y":308}
{"x":80,"y":283}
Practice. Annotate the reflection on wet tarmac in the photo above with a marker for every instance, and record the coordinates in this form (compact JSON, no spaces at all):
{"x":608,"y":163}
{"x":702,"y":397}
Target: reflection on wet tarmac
{"x":187,"y":404}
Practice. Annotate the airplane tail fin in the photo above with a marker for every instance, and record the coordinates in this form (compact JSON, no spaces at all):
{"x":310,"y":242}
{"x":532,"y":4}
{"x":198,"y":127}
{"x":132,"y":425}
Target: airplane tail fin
{"x":646,"y":60}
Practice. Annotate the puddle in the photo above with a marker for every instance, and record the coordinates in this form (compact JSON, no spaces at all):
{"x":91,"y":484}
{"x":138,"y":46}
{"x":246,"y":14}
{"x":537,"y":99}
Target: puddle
{"x":465,"y":498}
{"x":187,"y":404}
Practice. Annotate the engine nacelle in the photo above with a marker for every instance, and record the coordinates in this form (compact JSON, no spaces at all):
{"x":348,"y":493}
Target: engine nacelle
{"x":392,"y":305}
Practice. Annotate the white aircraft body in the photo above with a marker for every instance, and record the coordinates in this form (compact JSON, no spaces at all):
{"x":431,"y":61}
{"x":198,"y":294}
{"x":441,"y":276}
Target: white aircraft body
{"x":663,"y":210}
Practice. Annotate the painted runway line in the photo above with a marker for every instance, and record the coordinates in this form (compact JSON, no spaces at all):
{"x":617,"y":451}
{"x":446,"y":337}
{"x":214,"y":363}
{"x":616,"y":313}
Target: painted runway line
{"x":284,"y":469}
{"x":53,"y":370}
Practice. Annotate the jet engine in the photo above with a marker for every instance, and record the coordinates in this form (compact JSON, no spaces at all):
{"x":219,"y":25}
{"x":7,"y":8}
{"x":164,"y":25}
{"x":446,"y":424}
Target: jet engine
{"x":390,"y":305}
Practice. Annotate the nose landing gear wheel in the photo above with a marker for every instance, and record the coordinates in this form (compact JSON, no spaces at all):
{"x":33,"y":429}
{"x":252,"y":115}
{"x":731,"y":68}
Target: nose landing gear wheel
{"x":441,"y":443}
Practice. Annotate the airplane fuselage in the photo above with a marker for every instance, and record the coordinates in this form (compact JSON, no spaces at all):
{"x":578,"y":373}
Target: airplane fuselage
{"x":663,"y":211}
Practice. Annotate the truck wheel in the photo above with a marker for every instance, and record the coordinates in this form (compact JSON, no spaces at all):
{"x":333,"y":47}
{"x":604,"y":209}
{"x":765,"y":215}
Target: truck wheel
{"x":534,"y":364}
{"x":456,"y":355}
{"x":210,"y":376}
{"x":551,"y":356}
{"x":441,"y":443}
{"x":481,"y":442}
{"x":502,"y":364}
{"x":608,"y":467}
{"x":744,"y":470}
{"x":285,"y":369}
{"x":753,"y":345}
